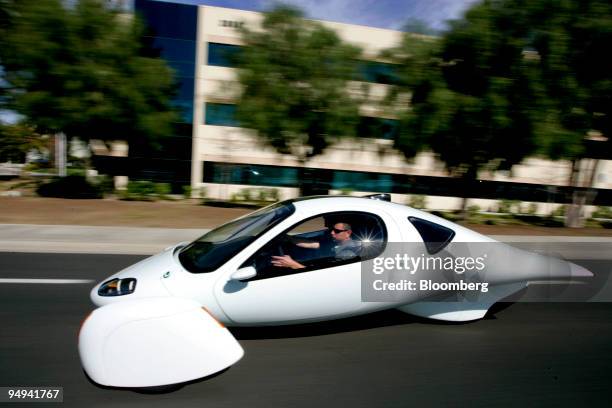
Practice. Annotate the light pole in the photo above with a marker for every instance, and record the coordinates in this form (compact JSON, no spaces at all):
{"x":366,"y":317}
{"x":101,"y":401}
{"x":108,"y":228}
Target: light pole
{"x":60,"y":154}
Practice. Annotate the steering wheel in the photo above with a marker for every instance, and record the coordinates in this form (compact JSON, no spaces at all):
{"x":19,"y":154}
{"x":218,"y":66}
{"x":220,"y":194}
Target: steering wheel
{"x":279,"y":249}
{"x":283,"y":246}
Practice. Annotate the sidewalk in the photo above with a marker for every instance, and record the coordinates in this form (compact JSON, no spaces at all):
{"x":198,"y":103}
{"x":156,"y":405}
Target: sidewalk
{"x":187,"y":214}
{"x":109,"y":226}
{"x":148,"y":241}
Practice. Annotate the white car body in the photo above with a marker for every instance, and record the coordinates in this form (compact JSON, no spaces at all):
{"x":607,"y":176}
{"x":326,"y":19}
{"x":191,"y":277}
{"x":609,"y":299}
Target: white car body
{"x":160,"y":335}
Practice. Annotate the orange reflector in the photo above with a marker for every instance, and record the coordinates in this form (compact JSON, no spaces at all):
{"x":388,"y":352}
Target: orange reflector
{"x":213,"y":316}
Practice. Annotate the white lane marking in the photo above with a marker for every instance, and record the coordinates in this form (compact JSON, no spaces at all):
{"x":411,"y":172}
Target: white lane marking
{"x":47,"y":281}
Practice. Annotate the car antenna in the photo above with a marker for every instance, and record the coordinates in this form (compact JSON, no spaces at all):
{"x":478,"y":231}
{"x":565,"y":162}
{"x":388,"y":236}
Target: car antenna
{"x":381,"y":197}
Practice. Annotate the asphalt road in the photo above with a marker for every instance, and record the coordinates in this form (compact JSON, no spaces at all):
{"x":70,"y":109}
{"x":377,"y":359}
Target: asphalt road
{"x":527,"y":354}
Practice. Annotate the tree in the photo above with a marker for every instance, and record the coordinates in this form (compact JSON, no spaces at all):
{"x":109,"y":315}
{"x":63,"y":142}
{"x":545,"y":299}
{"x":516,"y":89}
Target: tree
{"x":16,"y":141}
{"x":416,"y":26}
{"x":79,"y":68}
{"x":472,"y":98}
{"x":5,"y":13}
{"x":570,"y":42}
{"x":294,"y":74}
{"x":514,"y":78}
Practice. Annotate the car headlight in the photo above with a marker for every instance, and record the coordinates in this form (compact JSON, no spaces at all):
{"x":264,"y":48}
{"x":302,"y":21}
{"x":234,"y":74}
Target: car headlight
{"x":117,"y":287}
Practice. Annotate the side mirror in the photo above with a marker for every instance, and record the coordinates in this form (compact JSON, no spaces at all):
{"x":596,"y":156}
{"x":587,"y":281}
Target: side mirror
{"x":245,"y":273}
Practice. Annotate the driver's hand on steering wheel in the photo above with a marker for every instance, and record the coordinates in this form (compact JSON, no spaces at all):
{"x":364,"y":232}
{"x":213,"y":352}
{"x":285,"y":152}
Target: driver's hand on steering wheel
{"x":285,"y":261}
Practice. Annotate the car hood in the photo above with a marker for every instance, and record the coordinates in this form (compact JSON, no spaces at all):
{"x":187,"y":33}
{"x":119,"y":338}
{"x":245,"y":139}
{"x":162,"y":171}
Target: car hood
{"x":148,"y":273}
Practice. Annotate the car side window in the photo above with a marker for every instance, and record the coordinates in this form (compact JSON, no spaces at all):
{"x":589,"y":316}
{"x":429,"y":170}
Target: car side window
{"x":435,"y":236}
{"x":321,"y":242}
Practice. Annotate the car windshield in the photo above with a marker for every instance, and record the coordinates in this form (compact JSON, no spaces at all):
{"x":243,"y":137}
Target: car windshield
{"x":216,"y":247}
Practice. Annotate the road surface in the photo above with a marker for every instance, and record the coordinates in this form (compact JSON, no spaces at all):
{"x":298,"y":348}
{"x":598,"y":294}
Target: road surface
{"x":527,"y":354}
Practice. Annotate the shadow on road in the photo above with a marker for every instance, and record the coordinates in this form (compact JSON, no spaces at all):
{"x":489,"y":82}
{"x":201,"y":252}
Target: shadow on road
{"x":384,"y":318}
{"x":162,"y":389}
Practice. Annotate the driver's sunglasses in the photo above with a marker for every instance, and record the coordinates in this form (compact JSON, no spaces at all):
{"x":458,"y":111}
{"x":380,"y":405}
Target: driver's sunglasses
{"x":337,"y":231}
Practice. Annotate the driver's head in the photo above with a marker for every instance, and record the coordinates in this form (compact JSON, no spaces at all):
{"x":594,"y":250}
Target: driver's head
{"x":341,"y":231}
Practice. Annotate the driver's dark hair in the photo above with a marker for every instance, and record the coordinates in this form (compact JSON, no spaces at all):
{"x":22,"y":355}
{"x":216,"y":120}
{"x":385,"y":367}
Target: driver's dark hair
{"x":347,"y":226}
{"x":330,"y":221}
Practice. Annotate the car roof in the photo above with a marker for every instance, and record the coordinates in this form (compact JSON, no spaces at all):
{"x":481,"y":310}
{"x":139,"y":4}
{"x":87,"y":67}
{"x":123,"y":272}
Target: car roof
{"x":339,"y":202}
{"x":313,"y":205}
{"x":326,"y":204}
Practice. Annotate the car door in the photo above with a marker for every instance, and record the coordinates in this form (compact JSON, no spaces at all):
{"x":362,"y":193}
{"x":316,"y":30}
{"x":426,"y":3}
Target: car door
{"x":326,"y":288}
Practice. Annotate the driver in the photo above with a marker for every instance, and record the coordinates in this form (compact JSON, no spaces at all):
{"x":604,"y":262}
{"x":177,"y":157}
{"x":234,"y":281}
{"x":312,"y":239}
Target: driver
{"x":344,"y":247}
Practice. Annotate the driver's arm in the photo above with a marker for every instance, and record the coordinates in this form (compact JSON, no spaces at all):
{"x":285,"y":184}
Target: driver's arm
{"x":303,"y":243}
{"x":310,"y":245}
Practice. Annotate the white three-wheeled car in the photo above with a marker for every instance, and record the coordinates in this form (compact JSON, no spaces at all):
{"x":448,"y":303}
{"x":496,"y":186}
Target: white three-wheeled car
{"x":162,"y":321}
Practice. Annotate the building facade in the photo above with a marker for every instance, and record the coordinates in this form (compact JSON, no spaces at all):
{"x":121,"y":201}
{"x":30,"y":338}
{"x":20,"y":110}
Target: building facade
{"x":198,"y":41}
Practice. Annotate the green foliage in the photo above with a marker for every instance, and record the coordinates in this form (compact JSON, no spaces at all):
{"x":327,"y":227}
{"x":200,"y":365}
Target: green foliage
{"x":603,"y":212}
{"x":508,"y":206}
{"x":45,"y":167}
{"x":141,"y":190}
{"x":16,"y":140}
{"x":105,"y":184}
{"x":75,"y":183}
{"x":294,"y":77}
{"x":163,"y":190}
{"x":418,"y":201}
{"x":473,"y":210}
{"x":5,"y":12}
{"x":201,"y":192}
{"x":447,"y":215}
{"x":187,"y":192}
{"x":79,"y":68}
{"x":532,"y":209}
{"x":472,"y":100}
{"x":198,"y":192}
{"x":256,"y":195}
{"x":417,"y":71}
{"x":509,"y":80}
{"x":69,"y":187}
{"x":416,"y":26}
{"x":71,"y":171}
{"x":559,"y":211}
{"x":571,"y":40}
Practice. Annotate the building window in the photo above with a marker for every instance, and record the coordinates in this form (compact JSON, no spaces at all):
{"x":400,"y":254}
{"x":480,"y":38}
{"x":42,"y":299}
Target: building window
{"x":250,"y":174}
{"x":171,"y":34}
{"x":377,"y":72}
{"x":183,"y":69}
{"x":223,"y":55}
{"x":220,"y":114}
{"x":169,"y":19}
{"x":362,"y":181}
{"x":328,"y":179}
{"x":175,"y":49}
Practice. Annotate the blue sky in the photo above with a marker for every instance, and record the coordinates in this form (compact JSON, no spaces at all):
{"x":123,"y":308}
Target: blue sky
{"x":391,"y":14}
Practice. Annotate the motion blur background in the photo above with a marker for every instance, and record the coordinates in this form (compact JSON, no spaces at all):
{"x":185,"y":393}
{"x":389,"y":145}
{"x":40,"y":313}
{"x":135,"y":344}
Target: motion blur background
{"x":492,"y":111}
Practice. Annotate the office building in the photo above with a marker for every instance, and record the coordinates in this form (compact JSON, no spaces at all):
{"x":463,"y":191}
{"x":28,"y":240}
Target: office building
{"x":222,"y":158}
